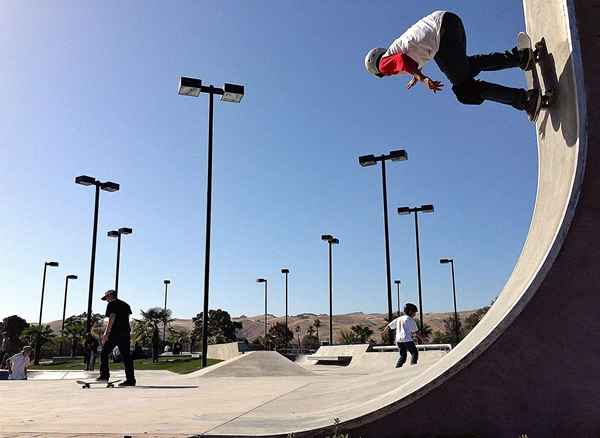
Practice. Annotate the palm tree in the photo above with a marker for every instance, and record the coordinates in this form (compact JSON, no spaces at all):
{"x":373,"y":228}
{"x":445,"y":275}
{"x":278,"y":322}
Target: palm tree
{"x":156,"y":316}
{"x":35,"y":334}
{"x":317,"y":324}
{"x":74,"y":331}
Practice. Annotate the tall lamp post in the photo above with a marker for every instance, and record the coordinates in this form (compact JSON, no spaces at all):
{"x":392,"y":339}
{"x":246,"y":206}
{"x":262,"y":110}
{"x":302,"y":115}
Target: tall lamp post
{"x":229,"y":93}
{"x":427,"y":208}
{"x":107,"y":186}
{"x":262,"y":280}
{"x":167,"y":283}
{"x":37,"y":344}
{"x":117,"y":234}
{"x":62,"y":327}
{"x":331,"y":241}
{"x":456,"y":327}
{"x":371,"y":160}
{"x":398,"y":289}
{"x":286,"y":272}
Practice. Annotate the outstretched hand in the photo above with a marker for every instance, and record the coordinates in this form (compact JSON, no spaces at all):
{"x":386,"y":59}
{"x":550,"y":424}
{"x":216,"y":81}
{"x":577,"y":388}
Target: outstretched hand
{"x":434,"y":86}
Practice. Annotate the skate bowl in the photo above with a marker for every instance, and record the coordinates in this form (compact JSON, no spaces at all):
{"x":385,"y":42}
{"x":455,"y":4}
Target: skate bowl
{"x":529,"y":367}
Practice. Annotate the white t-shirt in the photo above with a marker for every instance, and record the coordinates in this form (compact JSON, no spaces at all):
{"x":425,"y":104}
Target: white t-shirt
{"x":421,"y":41}
{"x":405,"y":326}
{"x":18,"y":363}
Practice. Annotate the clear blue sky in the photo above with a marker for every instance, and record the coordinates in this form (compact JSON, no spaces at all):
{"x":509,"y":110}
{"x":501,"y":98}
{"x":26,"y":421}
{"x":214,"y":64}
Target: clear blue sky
{"x":91,"y":88}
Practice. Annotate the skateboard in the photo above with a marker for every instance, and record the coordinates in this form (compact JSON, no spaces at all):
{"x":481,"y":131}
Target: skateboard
{"x":540,"y":55}
{"x":89,"y":383}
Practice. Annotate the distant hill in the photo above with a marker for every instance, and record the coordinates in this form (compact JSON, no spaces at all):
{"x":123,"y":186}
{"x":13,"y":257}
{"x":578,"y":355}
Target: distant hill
{"x":253,"y":326}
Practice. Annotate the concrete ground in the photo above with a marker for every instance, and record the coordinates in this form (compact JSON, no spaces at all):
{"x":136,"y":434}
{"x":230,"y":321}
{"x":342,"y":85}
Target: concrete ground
{"x":165,"y":404}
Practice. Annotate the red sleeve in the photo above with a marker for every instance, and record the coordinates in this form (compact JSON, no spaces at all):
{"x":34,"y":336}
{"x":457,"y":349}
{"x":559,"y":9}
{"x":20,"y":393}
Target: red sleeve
{"x":398,"y":63}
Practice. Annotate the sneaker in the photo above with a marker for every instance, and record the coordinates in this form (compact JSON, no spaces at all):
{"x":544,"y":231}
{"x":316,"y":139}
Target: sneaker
{"x":526,"y":59}
{"x":127,"y":383}
{"x":101,"y":379}
{"x":533,"y":104}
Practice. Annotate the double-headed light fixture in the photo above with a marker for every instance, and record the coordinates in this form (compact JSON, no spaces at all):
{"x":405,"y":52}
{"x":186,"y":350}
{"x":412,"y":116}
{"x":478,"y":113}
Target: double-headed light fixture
{"x":371,"y":160}
{"x":331,"y":241}
{"x":229,"y":93}
{"x":427,"y":208}
{"x":117,"y":235}
{"x":107,"y":186}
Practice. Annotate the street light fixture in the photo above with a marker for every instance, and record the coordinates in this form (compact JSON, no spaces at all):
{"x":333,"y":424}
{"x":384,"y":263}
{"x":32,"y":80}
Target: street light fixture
{"x":456,"y":327}
{"x":167,"y":283}
{"x":426,"y":208}
{"x":331,"y":241}
{"x":62,"y":328}
{"x":398,"y":288}
{"x":107,"y":186}
{"x":262,"y":280}
{"x":371,"y":160}
{"x":286,"y":272}
{"x":37,"y":345}
{"x":117,"y":234}
{"x":230,"y":93}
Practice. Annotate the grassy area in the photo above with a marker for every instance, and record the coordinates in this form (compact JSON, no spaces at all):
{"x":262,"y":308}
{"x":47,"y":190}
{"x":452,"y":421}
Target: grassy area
{"x":180,"y":366}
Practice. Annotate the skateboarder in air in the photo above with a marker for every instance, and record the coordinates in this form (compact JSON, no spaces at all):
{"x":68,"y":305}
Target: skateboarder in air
{"x":117,"y":334}
{"x":441,"y":36}
{"x":406,"y":327}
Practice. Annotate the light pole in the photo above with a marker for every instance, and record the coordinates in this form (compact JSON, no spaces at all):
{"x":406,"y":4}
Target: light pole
{"x":117,"y":234}
{"x":37,"y":344}
{"x":427,"y":208}
{"x":107,"y":186}
{"x":398,"y":288}
{"x":371,"y":160}
{"x":229,"y":93}
{"x":331,"y":241}
{"x":262,"y":280}
{"x":456,"y":327}
{"x":299,"y":342}
{"x":62,"y":328}
{"x":286,"y":272}
{"x":167,"y":283}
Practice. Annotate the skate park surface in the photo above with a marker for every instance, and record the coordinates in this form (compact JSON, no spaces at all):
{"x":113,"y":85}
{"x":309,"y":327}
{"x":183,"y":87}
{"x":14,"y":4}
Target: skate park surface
{"x":256,"y":393}
{"x":505,"y":370}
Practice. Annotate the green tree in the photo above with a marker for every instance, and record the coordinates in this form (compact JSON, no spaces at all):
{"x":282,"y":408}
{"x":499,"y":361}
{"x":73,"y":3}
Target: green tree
{"x":362,"y":333}
{"x":473,"y":319}
{"x":348,"y":337}
{"x":74,"y":332}
{"x":179,"y":335}
{"x":35,"y":335}
{"x":280,"y":335}
{"x":317,"y":324}
{"x":142,"y":331}
{"x":310,"y":342}
{"x":425,"y":333}
{"x":12,"y":328}
{"x":221,"y":328}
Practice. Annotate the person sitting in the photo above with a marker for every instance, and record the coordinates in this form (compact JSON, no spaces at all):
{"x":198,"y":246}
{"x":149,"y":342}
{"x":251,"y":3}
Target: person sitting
{"x":18,"y":363}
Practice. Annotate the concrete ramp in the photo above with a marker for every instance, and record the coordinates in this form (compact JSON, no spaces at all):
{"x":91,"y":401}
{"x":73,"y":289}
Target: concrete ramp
{"x":226,"y":351}
{"x":254,"y":364}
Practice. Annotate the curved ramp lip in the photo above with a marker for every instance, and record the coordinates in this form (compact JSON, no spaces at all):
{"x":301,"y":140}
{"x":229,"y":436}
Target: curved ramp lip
{"x":469,"y":349}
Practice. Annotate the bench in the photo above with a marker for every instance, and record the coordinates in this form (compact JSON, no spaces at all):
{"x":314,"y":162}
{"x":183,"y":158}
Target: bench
{"x":421,"y":347}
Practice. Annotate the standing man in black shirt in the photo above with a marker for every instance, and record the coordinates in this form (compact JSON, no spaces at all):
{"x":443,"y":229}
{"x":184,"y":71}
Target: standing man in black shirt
{"x":117,"y":333}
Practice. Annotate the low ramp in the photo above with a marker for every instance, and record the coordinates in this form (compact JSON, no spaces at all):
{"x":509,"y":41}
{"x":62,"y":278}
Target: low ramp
{"x":226,"y":351}
{"x":255,"y":364}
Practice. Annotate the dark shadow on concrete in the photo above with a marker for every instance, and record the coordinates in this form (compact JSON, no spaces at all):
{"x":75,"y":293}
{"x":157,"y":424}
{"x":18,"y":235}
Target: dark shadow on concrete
{"x":563,"y":114}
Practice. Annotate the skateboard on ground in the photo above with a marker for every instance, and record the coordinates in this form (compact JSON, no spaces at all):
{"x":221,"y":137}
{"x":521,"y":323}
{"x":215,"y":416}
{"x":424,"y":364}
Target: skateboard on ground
{"x":89,"y":383}
{"x":540,"y":57}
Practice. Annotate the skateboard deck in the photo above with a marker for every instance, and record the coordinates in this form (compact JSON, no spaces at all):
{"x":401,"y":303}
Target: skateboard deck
{"x":540,"y":55}
{"x":89,"y":383}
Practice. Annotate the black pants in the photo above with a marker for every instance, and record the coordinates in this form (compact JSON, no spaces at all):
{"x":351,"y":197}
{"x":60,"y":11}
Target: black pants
{"x":404,"y":347}
{"x":461,"y":69}
{"x":123,"y":342}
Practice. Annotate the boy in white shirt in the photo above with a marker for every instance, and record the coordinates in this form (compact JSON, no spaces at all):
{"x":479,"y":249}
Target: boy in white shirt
{"x":405,"y":327}
{"x":17,"y":364}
